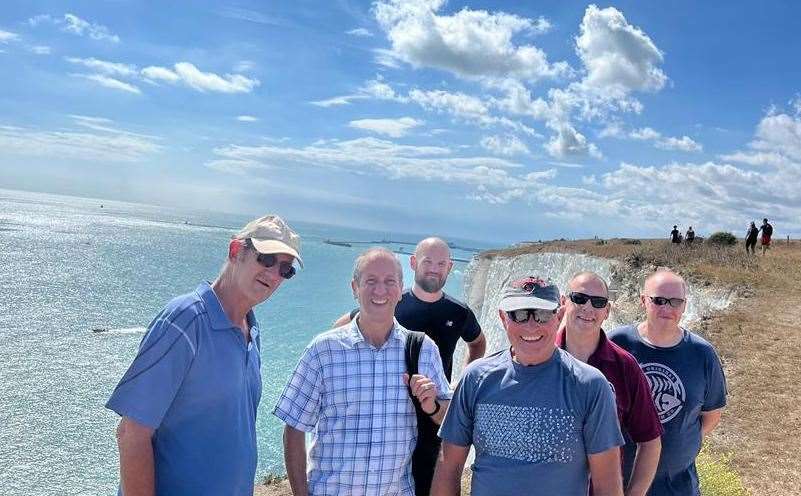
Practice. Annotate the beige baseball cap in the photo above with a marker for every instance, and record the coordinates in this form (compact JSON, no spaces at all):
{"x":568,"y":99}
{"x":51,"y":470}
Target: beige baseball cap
{"x":270,"y":234}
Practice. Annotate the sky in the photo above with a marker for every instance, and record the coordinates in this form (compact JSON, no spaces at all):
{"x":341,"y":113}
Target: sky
{"x":500,"y":121}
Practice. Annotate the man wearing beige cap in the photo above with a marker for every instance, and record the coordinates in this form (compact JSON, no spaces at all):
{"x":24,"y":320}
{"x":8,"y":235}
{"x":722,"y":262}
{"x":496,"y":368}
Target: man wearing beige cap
{"x":188,"y":401}
{"x":541,"y":421}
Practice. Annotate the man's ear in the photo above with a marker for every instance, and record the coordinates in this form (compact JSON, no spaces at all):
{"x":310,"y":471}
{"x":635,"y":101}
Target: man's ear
{"x":353,"y":286}
{"x":413,"y":263}
{"x":234,"y":248}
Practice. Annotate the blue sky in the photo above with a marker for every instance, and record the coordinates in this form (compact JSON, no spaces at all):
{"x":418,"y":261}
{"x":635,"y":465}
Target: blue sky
{"x":500,"y":121}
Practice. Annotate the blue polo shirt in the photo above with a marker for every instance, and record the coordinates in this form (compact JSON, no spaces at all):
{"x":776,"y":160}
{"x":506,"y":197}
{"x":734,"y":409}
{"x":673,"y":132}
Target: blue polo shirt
{"x":197,"y":383}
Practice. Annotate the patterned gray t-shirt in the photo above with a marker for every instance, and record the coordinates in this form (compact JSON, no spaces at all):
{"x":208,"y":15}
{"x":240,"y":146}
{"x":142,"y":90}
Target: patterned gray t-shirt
{"x":532,"y":427}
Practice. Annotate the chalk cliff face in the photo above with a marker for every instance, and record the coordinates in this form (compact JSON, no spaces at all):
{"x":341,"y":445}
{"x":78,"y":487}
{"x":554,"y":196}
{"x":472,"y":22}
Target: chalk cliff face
{"x":485,"y":278}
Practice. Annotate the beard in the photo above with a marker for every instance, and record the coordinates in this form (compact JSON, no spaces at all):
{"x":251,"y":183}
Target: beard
{"x":430,"y":284}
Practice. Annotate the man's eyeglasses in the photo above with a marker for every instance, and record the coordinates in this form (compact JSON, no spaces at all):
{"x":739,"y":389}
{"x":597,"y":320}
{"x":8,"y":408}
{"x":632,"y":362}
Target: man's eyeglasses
{"x":673,"y":302}
{"x":540,"y":316}
{"x":595,"y":301}
{"x":285,"y":269}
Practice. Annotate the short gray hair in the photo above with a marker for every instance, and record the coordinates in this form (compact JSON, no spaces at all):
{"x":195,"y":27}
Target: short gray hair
{"x":372,"y":253}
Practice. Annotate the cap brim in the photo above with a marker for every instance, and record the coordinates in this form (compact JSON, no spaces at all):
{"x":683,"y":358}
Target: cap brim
{"x":522,"y":302}
{"x":270,"y":246}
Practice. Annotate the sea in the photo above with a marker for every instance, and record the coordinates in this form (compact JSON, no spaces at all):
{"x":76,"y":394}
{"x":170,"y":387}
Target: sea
{"x":72,"y":266}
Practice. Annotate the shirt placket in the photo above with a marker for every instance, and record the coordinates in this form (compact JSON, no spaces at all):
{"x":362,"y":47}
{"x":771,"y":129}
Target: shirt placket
{"x":378,"y":402}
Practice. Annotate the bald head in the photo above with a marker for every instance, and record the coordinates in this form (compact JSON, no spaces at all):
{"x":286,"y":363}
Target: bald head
{"x":432,"y":244}
{"x":589,"y":279}
{"x":667,"y":282}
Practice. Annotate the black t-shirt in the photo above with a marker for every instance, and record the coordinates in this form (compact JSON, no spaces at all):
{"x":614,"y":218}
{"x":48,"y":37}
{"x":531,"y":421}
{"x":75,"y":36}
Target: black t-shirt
{"x":445,"y":321}
{"x":674,"y":235}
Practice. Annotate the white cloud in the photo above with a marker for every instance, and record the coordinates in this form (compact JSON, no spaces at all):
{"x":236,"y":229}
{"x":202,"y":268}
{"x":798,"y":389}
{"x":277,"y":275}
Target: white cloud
{"x":780,"y":133}
{"x":645,"y":134}
{"x":507,"y":146}
{"x":7,"y":36}
{"x":394,"y":128}
{"x":108,"y":68}
{"x":71,"y":23}
{"x":40,"y":50}
{"x":616,"y":54}
{"x":104,"y":145}
{"x":488,"y":176}
{"x":360,"y":32}
{"x":109,"y":82}
{"x":244,"y":66}
{"x":756,"y":158}
{"x":196,"y":79}
{"x":685,"y":144}
{"x":568,"y":142}
{"x":247,"y":118}
{"x":469,"y":43}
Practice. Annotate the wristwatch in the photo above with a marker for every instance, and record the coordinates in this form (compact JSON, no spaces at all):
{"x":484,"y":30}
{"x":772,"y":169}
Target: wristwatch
{"x":436,"y":408}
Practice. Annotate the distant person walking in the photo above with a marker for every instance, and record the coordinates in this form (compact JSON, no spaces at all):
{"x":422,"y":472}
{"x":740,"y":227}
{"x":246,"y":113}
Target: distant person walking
{"x":751,"y":238}
{"x":690,"y":237}
{"x":675,"y":235}
{"x":686,"y":377}
{"x":767,"y":232}
{"x":188,"y":401}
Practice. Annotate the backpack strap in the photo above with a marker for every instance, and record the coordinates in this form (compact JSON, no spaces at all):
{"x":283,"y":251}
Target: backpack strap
{"x":414,"y":342}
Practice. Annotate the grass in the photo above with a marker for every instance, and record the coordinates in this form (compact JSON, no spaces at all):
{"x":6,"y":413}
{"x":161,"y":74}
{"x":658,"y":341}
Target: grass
{"x":717,"y":477}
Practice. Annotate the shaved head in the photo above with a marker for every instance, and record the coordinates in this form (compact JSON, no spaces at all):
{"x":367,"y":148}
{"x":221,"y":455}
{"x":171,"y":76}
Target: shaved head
{"x":667,"y":279}
{"x":431,"y":264}
{"x":588,"y":277}
{"x":432,"y":243}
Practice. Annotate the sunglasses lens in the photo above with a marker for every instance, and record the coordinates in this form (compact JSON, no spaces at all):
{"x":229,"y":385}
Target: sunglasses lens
{"x":543,"y":316}
{"x":267,"y":260}
{"x":287,"y":271}
{"x":579,"y":298}
{"x":598,"y":301}
{"x":519,"y":316}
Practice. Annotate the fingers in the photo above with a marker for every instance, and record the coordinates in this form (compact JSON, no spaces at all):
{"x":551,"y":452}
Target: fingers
{"x":422,"y":387}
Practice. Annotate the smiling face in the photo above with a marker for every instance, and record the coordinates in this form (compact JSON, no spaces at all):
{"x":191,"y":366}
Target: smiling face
{"x":378,"y":287}
{"x":532,"y":343}
{"x":667,"y":285}
{"x":585,"y":318}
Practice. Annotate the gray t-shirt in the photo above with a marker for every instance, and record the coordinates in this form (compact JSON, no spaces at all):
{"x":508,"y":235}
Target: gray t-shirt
{"x":532,"y":427}
{"x":686,"y":379}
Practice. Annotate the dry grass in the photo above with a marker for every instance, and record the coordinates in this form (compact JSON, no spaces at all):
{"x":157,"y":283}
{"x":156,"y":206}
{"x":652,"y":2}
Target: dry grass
{"x":759,"y":341}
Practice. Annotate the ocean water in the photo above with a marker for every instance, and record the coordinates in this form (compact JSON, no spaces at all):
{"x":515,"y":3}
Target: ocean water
{"x":69,"y":265}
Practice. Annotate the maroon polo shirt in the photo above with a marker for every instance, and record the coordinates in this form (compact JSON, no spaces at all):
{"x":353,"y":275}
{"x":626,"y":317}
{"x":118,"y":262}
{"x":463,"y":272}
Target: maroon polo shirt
{"x":635,"y":407}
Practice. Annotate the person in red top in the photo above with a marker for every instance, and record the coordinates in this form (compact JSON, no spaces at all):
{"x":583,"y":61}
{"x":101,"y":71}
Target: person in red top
{"x":586,"y":308}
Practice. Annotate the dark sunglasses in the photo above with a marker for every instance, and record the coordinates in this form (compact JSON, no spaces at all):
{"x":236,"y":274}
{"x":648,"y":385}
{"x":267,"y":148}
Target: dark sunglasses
{"x":285,"y":269}
{"x":673,"y":302}
{"x":540,"y":316}
{"x":595,"y":301}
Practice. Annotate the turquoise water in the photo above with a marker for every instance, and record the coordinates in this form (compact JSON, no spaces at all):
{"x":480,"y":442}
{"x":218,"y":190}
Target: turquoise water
{"x":67,"y":266}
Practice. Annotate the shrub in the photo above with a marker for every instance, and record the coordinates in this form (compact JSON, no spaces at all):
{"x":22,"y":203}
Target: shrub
{"x":722,"y":238}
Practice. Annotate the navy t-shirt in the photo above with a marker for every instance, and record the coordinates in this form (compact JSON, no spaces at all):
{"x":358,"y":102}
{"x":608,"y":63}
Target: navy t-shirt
{"x":532,"y":427}
{"x":686,"y":379}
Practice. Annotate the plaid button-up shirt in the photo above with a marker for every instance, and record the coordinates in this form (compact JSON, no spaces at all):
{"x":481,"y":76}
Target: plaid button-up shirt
{"x":351,"y":395}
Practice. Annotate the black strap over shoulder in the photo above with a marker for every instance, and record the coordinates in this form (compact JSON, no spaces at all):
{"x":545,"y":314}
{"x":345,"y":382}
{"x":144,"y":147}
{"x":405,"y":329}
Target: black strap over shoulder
{"x":414,"y":342}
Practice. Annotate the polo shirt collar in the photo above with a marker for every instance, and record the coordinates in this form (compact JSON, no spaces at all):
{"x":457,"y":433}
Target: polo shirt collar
{"x":603,"y":352}
{"x":217,"y":318}
{"x":355,"y":335}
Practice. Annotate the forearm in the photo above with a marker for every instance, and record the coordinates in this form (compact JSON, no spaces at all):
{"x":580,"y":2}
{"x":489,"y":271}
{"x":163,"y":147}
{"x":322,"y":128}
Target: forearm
{"x":710,"y":420}
{"x":137,"y":470}
{"x":645,"y":463}
{"x":605,"y":473}
{"x":443,"y":409}
{"x":295,"y":460}
{"x":476,"y":349}
{"x":448,"y":473}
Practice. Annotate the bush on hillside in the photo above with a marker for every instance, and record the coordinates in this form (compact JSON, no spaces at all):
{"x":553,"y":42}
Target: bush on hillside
{"x":722,"y":238}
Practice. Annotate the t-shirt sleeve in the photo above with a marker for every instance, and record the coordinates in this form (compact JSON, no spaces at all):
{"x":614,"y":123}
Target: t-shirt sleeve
{"x":642,"y":421}
{"x":150,"y":384}
{"x":457,"y":426}
{"x":601,"y":430}
{"x":430,"y":365}
{"x":471,"y":328}
{"x":715,"y":393}
{"x":299,"y":404}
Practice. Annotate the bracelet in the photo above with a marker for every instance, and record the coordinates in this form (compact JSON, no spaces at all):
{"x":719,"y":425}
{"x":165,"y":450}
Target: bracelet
{"x":436,"y":409}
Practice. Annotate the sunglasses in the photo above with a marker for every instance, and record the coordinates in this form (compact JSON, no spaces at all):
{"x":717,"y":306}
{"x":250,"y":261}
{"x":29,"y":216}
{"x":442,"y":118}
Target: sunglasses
{"x":660,"y":301}
{"x":595,"y":301}
{"x":540,"y":316}
{"x":285,"y":269}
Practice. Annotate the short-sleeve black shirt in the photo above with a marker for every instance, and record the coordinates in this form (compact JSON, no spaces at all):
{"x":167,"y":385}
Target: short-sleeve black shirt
{"x":445,"y":321}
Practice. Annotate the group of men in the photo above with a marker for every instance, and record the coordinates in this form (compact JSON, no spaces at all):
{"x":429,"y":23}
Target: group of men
{"x":548,"y":415}
{"x":753,"y":232}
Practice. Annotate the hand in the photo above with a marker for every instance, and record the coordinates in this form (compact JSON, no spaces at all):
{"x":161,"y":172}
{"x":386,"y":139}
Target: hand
{"x":424,"y":390}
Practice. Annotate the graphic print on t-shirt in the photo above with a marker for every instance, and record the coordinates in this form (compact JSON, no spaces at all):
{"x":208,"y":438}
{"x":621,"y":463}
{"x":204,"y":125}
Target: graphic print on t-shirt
{"x":525,"y":433}
{"x":667,"y":390}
